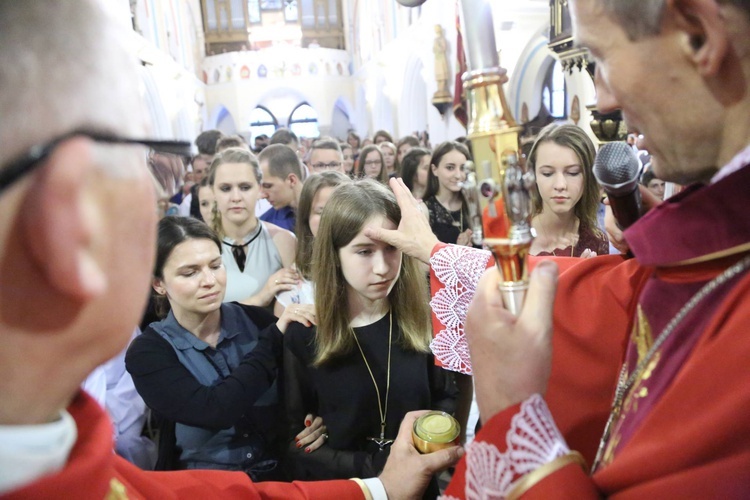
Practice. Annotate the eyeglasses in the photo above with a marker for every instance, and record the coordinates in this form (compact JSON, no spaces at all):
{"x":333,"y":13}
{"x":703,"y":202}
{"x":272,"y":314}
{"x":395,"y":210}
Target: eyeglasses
{"x":326,"y":166}
{"x":27,"y":162}
{"x":373,"y":162}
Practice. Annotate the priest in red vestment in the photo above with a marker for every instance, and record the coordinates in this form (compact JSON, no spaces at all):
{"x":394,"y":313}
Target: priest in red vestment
{"x":623,"y":378}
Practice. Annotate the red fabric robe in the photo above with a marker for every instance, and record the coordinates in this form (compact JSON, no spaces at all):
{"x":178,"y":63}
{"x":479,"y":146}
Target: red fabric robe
{"x":688,"y":435}
{"x":95,"y":471}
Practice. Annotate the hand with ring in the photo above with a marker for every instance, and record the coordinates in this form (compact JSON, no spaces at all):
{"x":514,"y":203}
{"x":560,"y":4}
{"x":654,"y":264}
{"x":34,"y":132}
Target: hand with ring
{"x":283,"y":280}
{"x":301,"y":313}
{"x":313,"y":436}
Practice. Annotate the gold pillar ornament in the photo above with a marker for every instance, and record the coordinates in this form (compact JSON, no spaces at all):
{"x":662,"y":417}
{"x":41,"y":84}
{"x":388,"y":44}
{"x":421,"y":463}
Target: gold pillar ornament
{"x":500,"y":205}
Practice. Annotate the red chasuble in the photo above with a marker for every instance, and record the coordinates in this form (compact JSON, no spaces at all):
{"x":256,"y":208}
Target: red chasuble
{"x":683,"y":431}
{"x":95,"y":471}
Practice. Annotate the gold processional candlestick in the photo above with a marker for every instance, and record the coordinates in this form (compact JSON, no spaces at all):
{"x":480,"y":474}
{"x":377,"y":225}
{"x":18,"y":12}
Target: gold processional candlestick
{"x":499,"y":205}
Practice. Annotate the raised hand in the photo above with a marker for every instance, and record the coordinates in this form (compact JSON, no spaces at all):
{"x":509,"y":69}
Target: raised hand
{"x":413,"y":235}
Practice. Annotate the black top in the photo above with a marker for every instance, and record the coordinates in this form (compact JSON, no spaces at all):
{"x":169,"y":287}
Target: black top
{"x":244,"y":363}
{"x":342,"y":392}
{"x":445,"y":224}
{"x":195,"y":205}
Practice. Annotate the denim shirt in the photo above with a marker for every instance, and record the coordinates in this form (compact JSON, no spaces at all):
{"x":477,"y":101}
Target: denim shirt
{"x":243,"y":445}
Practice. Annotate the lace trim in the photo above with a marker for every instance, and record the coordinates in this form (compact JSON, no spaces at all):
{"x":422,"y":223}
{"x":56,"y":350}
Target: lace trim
{"x":458,"y":269}
{"x":451,"y":348}
{"x":533,"y":440}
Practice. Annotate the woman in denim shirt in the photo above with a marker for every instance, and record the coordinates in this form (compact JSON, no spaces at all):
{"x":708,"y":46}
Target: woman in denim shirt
{"x":211,"y":368}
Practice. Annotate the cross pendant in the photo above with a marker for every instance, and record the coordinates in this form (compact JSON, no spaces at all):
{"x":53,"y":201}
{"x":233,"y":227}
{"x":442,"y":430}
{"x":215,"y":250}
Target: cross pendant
{"x":382,"y":442}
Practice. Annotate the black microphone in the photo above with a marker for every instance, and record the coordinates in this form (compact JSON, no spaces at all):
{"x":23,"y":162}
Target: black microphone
{"x":617,"y":169}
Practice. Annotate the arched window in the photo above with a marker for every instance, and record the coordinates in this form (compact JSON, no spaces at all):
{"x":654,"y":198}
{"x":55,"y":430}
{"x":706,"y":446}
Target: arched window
{"x":555,"y":91}
{"x":211,"y":15}
{"x":253,"y":11}
{"x":262,"y":121}
{"x":304,"y":121}
{"x":291,"y":14}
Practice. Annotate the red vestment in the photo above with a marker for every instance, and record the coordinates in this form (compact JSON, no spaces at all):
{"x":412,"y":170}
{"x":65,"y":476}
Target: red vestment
{"x":95,"y":471}
{"x":683,"y":431}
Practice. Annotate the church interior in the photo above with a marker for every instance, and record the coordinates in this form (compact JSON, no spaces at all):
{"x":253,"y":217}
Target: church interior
{"x":328,"y":67}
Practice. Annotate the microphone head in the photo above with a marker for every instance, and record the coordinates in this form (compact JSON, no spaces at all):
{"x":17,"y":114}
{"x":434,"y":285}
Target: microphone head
{"x":617,"y":168}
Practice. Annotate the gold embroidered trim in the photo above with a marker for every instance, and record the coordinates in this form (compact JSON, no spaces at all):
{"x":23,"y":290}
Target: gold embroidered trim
{"x":117,"y":490}
{"x":712,"y":256}
{"x":532,"y":478}
{"x":363,"y":487}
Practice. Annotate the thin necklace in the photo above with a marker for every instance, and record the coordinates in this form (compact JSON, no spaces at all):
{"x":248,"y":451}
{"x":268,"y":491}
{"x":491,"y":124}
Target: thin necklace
{"x":238,"y":251}
{"x":625,"y":384}
{"x":573,"y":243}
{"x":455,"y":223}
{"x":382,"y":442}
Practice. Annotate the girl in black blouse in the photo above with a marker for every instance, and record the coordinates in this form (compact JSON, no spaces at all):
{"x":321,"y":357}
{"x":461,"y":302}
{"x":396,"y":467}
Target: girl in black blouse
{"x":369,"y":362}
{"x":448,"y":212}
{"x":443,"y":200}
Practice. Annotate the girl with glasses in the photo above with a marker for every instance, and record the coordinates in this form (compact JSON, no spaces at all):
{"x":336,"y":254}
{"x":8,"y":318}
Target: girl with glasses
{"x":371,"y":164}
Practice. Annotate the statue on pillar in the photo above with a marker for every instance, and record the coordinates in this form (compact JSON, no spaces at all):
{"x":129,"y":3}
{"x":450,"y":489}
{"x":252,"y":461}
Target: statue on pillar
{"x":442,"y":97}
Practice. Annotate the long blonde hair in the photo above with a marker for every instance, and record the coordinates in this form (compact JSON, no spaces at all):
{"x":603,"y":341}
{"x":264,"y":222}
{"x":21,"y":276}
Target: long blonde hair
{"x":575,"y":139}
{"x":345,"y":215}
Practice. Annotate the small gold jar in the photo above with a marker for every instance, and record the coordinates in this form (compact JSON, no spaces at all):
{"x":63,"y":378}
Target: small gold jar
{"x":435,"y":430}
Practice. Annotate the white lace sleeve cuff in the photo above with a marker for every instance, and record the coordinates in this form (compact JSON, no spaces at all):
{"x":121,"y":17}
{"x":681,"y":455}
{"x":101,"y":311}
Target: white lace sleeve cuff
{"x":532,"y":441}
{"x":457,"y":269}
